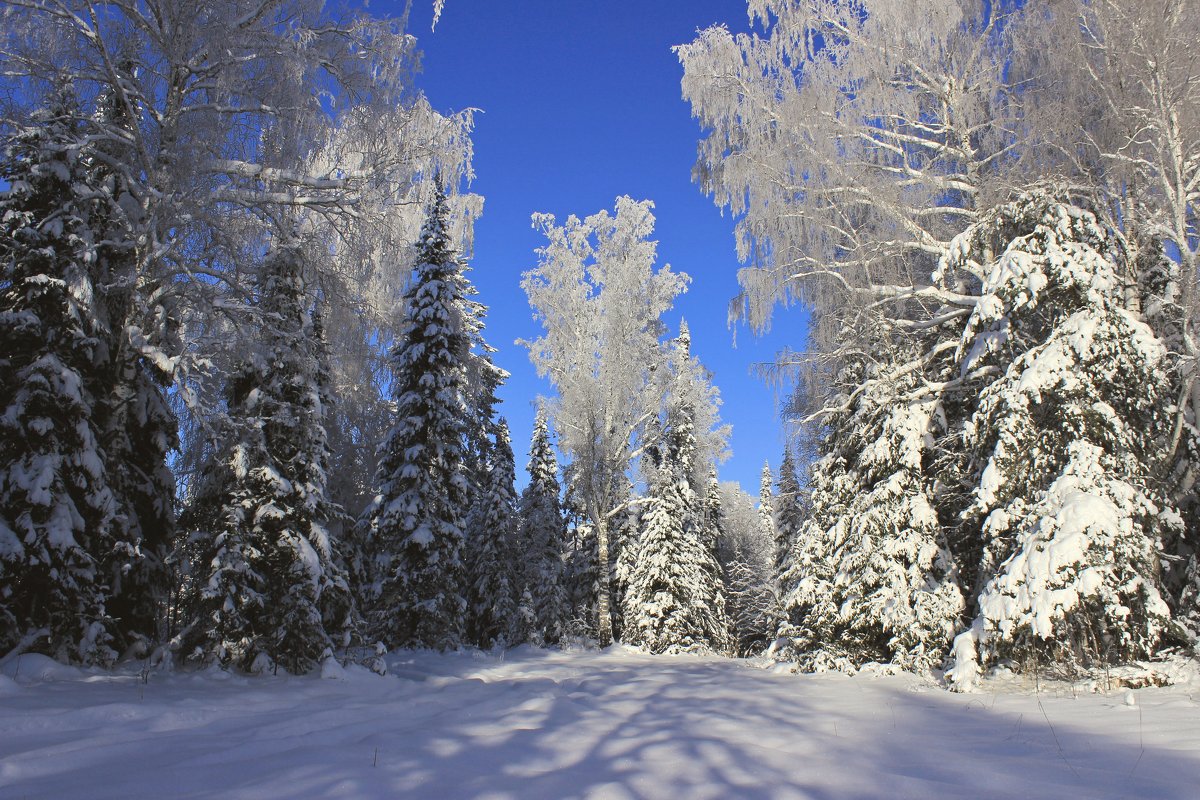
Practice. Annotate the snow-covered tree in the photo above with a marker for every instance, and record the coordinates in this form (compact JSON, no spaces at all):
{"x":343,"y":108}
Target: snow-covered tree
{"x":675,"y":600}
{"x":714,"y":515}
{"x":200,"y":154}
{"x":543,"y":537}
{"x":1115,"y":102}
{"x":414,"y":528}
{"x":766,"y":510}
{"x":596,"y":293}
{"x":787,"y":510}
{"x":495,"y":555}
{"x":869,"y":577}
{"x":746,"y":553}
{"x":56,"y":506}
{"x":483,"y":379}
{"x":853,"y":140}
{"x":1066,"y":441}
{"x":269,"y":586}
{"x":139,"y":428}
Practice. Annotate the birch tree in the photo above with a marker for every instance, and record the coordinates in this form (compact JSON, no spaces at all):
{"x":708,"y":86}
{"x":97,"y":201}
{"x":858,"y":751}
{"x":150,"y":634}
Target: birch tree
{"x":852,"y":143}
{"x":600,"y":300}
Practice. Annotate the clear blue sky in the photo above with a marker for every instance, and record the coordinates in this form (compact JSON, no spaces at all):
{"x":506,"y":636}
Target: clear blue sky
{"x":581,"y":103}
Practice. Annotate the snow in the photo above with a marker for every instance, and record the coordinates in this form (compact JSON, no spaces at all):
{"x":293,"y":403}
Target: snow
{"x":547,"y":724}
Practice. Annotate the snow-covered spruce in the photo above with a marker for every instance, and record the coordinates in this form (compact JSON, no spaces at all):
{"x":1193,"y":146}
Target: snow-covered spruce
{"x":414,"y":527}
{"x":869,"y":579}
{"x":675,"y":600}
{"x":1064,"y":443}
{"x":1167,"y":315}
{"x":268,"y":586}
{"x":139,"y":429}
{"x":481,"y":380}
{"x":56,"y":506}
{"x":495,"y":557}
{"x":786,"y":509}
{"x":543,"y":536}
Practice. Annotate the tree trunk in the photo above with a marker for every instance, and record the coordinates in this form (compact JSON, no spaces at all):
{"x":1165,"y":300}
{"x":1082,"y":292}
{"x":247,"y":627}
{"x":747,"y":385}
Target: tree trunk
{"x":603,"y":600}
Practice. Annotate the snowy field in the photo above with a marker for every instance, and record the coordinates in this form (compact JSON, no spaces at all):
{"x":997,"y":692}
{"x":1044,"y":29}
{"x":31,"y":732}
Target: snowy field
{"x":615,"y":725}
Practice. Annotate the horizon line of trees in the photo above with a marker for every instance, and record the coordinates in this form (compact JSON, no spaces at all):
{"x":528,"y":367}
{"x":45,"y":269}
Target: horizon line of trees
{"x":222,"y":290}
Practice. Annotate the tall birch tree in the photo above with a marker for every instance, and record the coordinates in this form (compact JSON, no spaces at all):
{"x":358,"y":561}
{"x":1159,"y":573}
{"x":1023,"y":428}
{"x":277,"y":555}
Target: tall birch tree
{"x":600,"y":300}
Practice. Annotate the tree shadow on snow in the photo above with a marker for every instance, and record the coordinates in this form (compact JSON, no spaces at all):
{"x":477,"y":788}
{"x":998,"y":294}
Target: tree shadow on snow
{"x":627,"y":733}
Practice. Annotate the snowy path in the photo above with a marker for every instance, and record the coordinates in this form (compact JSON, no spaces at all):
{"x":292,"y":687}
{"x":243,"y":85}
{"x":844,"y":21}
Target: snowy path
{"x":557,"y":725}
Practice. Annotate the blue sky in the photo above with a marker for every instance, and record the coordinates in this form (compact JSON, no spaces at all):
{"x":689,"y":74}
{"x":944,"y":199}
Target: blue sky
{"x":581,"y":103}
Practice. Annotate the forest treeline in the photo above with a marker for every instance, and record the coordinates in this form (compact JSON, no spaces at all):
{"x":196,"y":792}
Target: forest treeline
{"x":250,"y":410}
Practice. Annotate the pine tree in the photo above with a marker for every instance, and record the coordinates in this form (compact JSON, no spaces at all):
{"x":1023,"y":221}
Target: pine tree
{"x":272,"y":585}
{"x":495,"y":558}
{"x":56,"y":505}
{"x":415,"y":525}
{"x":675,"y":600}
{"x":543,"y":534}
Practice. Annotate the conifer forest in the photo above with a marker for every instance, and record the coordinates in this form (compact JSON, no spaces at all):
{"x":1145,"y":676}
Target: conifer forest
{"x":250,"y":407}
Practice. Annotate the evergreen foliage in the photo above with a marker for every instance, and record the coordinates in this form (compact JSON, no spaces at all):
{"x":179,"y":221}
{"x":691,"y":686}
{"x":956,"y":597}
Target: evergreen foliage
{"x":139,"y":428}
{"x":746,"y":552}
{"x":675,"y":600}
{"x":543,"y":535}
{"x":766,"y":512}
{"x":269,"y":585}
{"x":496,"y":556}
{"x":57,"y":508}
{"x":868,"y":579}
{"x":787,"y":510}
{"x":1065,"y":442}
{"x":414,"y":528}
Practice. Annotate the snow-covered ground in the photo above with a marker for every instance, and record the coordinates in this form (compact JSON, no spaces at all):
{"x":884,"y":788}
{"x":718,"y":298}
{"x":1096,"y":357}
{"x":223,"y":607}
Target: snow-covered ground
{"x":617,"y":724}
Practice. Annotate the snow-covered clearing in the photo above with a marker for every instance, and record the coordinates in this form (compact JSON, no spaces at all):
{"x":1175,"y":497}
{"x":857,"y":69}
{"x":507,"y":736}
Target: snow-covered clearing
{"x":617,"y":724}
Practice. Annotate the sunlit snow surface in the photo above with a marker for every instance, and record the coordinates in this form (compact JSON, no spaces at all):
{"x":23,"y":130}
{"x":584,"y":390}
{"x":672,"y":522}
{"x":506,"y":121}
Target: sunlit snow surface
{"x":616,"y":724}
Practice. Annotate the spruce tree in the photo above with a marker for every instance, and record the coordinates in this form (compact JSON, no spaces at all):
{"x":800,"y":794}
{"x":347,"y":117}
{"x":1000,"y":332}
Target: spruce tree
{"x":495,"y":559}
{"x":139,"y":430}
{"x":766,"y":511}
{"x":56,"y":505}
{"x":543,"y":534}
{"x":1065,"y":444}
{"x":787,"y":510}
{"x":869,"y":578}
{"x":675,"y":600}
{"x":714,"y":523}
{"x":272,"y":585}
{"x":481,"y":380}
{"x":415,"y":526}
{"x":580,"y":573}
